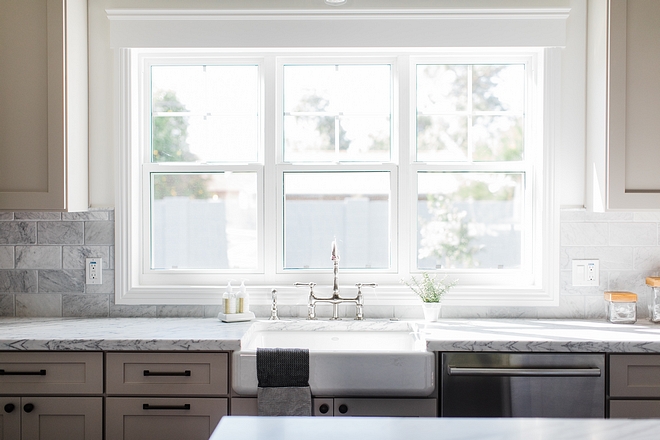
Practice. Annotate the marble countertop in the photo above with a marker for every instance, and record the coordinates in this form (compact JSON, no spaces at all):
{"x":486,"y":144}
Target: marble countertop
{"x":349,"y":428}
{"x":209,"y":334}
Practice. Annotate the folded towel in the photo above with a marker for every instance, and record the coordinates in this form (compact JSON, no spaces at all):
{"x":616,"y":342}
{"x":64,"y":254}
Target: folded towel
{"x":283,"y":376}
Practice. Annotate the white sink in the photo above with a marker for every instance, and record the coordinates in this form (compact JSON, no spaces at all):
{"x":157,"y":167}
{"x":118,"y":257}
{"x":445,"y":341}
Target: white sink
{"x":346,"y":358}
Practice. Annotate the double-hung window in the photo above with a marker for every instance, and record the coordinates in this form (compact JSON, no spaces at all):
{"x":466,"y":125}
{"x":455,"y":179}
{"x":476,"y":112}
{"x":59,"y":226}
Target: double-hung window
{"x":247,"y":164}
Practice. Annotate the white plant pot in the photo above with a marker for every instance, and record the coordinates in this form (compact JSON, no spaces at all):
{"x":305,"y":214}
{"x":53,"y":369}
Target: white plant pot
{"x":431,"y":311}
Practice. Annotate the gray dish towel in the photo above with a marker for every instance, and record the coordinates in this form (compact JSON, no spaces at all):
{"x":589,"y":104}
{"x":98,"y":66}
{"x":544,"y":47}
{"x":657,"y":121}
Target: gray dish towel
{"x":283,"y":376}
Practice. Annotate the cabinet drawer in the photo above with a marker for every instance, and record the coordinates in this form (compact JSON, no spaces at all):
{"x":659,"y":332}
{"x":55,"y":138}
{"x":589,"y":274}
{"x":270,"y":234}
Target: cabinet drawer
{"x":153,"y":374}
{"x":51,"y":373}
{"x":635,"y":375}
{"x":634,"y":409}
{"x":160,"y":418}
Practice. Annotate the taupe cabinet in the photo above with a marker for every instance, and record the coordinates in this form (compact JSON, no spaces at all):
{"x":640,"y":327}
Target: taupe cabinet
{"x":51,"y":396}
{"x":164,"y":396}
{"x":623,"y":105}
{"x":634,"y":386}
{"x":43,"y":105}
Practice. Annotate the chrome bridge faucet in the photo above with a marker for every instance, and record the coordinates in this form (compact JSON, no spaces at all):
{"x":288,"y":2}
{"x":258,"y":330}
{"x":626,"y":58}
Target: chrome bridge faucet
{"x":335,"y":299}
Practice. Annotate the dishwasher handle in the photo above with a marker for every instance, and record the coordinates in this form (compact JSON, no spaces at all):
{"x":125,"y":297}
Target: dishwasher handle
{"x":524,"y":372}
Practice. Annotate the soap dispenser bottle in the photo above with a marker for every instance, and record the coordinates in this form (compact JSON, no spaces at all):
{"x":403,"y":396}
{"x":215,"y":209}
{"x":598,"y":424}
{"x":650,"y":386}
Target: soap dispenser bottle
{"x":243,"y":305}
{"x":229,"y":300}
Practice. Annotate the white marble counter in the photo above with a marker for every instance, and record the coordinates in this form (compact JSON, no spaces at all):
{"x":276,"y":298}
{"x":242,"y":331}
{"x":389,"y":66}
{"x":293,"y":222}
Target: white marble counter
{"x":204,"y":334}
{"x":523,"y":335}
{"x":359,"y":428}
{"x":144,"y":334}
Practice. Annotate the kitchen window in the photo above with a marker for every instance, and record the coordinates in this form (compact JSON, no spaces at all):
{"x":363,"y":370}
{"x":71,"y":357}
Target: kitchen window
{"x":248,"y":164}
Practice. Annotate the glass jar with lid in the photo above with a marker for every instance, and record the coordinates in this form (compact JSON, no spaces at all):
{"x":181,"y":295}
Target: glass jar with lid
{"x":654,"y":301}
{"x":621,"y":307}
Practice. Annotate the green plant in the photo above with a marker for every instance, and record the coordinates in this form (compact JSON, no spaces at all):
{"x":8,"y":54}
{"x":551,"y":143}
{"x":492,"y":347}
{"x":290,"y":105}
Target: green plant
{"x":428,"y":288}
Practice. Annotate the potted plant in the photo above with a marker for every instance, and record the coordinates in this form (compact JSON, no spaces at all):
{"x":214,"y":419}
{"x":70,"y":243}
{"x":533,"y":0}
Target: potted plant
{"x":430,"y":291}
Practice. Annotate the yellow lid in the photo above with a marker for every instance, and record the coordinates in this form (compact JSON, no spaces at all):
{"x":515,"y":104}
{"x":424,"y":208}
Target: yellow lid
{"x":620,"y":296}
{"x":653,"y":281}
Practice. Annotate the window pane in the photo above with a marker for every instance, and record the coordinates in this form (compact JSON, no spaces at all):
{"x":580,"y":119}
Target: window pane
{"x":469,"y":220}
{"x":498,"y":88}
{"x":352,"y":207}
{"x":204,"y":221}
{"x":497,"y":138}
{"x":337,"y":113}
{"x":470,"y":112}
{"x":205,"y":113}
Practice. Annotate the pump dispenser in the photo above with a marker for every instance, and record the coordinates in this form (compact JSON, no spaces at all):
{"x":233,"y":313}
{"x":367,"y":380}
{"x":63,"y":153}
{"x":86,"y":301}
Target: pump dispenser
{"x":243,"y":303}
{"x":229,"y":300}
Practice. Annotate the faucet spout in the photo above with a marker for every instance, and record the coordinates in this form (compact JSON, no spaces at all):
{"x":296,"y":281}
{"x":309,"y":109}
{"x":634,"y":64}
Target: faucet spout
{"x":335,"y":267}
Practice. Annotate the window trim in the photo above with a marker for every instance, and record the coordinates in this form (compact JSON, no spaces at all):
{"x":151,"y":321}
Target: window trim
{"x":132,"y":287}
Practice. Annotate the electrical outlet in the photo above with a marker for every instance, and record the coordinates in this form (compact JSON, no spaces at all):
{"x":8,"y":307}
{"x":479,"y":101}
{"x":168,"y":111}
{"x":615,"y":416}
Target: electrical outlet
{"x":586,"y":273}
{"x":93,"y":270}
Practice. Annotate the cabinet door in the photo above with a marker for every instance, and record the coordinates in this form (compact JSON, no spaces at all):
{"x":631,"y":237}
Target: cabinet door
{"x":180,"y":418}
{"x":635,"y":375}
{"x":386,"y":407}
{"x":62,"y":418}
{"x":10,"y":418}
{"x":43,"y":105}
{"x":623,"y":105}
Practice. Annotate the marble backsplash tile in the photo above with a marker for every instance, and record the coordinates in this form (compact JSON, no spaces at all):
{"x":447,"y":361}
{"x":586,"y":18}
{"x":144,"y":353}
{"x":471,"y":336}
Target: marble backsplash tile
{"x":42,"y":257}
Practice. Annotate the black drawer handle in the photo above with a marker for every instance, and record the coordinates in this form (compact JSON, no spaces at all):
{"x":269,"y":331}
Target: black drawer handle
{"x":23,"y":373}
{"x":324,"y":408}
{"x":28,"y":407}
{"x":9,"y":407}
{"x":167,"y":373}
{"x":147,"y":406}
{"x":343,"y":408}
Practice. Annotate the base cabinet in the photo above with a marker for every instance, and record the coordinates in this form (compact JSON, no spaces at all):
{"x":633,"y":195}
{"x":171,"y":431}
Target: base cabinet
{"x":134,"y":418}
{"x":51,"y":418}
{"x":634,"y":386}
{"x":165,"y":396}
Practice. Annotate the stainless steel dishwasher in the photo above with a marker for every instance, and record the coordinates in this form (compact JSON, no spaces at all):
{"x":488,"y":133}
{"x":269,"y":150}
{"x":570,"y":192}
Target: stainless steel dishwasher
{"x":522,"y":385}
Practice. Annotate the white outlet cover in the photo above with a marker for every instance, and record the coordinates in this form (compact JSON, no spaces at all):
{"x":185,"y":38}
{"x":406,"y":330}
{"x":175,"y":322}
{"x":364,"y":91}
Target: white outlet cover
{"x":586,"y":273}
{"x":93,"y":270}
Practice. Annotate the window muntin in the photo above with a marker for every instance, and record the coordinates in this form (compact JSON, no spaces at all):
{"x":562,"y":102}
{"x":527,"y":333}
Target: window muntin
{"x":350,"y":207}
{"x":470,"y":112}
{"x":337,"y":112}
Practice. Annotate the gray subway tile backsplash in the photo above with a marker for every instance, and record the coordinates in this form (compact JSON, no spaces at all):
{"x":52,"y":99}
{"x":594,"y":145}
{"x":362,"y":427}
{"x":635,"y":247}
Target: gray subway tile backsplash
{"x":42,"y":258}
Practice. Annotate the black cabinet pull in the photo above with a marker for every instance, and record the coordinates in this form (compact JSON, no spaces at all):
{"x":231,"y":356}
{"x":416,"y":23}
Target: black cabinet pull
{"x":28,"y":407}
{"x":323,"y":409}
{"x":23,"y":373}
{"x":343,"y":408}
{"x":9,"y":407}
{"x":147,"y":406}
{"x":167,"y":373}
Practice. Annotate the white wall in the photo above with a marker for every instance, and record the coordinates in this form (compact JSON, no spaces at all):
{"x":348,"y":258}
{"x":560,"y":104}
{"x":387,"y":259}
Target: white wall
{"x":101,"y":81}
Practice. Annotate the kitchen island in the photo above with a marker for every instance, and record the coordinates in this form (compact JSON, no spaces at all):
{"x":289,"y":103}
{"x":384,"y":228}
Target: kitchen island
{"x":359,"y":428}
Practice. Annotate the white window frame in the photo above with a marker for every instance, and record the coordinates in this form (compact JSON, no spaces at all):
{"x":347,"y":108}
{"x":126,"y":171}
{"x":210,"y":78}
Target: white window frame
{"x":542,"y":30}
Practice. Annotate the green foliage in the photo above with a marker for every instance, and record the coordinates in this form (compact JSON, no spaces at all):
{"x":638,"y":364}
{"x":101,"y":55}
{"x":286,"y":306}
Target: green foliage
{"x":169,"y":144}
{"x":428,"y":288}
{"x":325,"y":125}
{"x":446,"y":236}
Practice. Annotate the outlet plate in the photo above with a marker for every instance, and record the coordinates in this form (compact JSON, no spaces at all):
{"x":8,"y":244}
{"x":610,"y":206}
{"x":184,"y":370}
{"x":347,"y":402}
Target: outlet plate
{"x":93,"y":270}
{"x":586,"y":273}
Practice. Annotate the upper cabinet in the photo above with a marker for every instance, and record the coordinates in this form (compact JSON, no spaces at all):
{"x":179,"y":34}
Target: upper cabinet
{"x":623,"y":105}
{"x":43,"y":105}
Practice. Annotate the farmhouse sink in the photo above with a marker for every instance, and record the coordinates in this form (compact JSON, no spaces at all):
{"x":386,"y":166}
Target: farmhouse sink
{"x":346,"y":358}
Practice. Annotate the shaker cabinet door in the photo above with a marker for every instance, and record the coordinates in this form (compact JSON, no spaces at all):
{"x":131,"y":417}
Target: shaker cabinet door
{"x":62,"y":418}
